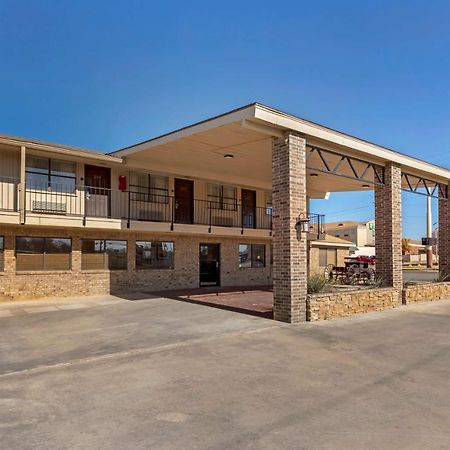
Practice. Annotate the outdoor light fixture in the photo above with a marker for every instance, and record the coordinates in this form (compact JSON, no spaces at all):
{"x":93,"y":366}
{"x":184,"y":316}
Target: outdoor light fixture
{"x":302,"y":225}
{"x":366,"y":186}
{"x":228,"y":156}
{"x":314,"y":175}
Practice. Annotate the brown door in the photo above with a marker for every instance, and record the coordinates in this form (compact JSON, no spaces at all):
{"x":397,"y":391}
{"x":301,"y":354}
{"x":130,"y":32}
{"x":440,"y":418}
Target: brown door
{"x":209,"y":265}
{"x":248,"y":208}
{"x":98,"y":194}
{"x":184,"y":201}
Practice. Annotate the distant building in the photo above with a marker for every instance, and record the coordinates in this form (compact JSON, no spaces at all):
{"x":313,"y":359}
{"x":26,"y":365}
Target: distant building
{"x":361,"y":234}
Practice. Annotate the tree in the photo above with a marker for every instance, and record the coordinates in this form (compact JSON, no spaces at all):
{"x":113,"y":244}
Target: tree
{"x":405,"y":246}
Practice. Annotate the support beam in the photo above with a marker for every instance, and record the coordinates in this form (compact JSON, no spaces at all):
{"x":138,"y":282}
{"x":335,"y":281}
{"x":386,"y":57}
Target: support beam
{"x":289,"y":200}
{"x":388,"y":227}
{"x":22,"y":187}
{"x":444,"y":236}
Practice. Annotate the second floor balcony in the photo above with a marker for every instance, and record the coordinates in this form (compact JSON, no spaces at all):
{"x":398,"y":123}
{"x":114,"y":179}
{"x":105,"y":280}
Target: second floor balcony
{"x":128,"y":206}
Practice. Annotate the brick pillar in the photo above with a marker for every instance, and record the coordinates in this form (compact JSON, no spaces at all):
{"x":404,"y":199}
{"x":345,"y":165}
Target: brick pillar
{"x":444,"y":236}
{"x":388,"y":227}
{"x":289,"y":252}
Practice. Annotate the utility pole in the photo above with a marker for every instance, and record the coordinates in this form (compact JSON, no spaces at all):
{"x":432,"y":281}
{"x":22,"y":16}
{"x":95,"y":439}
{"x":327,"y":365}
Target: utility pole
{"x":429,"y":233}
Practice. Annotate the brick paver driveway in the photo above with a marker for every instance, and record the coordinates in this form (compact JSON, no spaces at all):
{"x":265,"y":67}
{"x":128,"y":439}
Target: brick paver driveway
{"x":163,"y":374}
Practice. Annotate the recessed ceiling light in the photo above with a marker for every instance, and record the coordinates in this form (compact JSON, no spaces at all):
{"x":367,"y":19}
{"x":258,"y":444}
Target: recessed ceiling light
{"x":228,"y":156}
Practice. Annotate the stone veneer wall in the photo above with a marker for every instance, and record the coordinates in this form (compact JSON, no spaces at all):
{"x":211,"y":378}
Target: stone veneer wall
{"x":341,"y":304}
{"x":426,"y":292}
{"x":18,"y":285}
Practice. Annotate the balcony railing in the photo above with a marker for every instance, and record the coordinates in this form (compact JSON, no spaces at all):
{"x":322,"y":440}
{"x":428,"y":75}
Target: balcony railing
{"x":9,"y":194}
{"x":95,"y":202}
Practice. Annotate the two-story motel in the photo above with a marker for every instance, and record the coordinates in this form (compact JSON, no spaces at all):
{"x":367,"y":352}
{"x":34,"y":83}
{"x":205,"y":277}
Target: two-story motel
{"x":223,"y":202}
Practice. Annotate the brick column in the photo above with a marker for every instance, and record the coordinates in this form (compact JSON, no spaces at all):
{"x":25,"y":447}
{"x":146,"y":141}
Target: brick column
{"x":444,"y":236}
{"x":76,"y":253}
{"x":388,"y":227}
{"x":289,"y":252}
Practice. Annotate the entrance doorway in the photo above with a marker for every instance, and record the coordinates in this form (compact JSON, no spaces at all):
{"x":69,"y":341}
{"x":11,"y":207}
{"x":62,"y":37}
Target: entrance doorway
{"x":98,"y":196}
{"x":209,"y":265}
{"x":248,"y":199}
{"x":184,"y":201}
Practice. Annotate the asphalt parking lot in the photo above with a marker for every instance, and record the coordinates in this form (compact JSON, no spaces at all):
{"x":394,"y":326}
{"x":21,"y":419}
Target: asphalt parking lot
{"x":108,"y":373}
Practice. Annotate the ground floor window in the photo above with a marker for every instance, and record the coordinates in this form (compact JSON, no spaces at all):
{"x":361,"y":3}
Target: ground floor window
{"x":98,"y":254}
{"x":252,"y":255}
{"x":37,"y":253}
{"x":154,"y":255}
{"x":327,"y":256}
{"x":2,"y":248}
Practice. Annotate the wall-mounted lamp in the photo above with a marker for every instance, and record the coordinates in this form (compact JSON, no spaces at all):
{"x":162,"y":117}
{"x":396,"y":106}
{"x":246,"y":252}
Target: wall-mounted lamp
{"x":302,"y":225}
{"x":366,"y":186}
{"x":228,"y":156}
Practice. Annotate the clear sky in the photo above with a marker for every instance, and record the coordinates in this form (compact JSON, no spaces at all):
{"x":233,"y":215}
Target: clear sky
{"x":106,"y":74}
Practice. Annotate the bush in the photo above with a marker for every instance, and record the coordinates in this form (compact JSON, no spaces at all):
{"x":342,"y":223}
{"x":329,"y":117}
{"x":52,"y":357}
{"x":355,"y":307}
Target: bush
{"x":442,"y":278}
{"x":318,"y":283}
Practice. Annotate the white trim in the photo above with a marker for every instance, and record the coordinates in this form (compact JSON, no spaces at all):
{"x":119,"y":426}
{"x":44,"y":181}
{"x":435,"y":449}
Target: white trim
{"x":287,"y":121}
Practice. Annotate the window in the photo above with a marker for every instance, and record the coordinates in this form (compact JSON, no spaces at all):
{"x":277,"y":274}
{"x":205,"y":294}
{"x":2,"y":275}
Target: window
{"x":149,"y":188}
{"x":222,"y":197}
{"x":327,"y":256}
{"x":50,"y":174}
{"x":103,"y":254}
{"x":269,"y":203}
{"x":336,"y":233}
{"x":252,"y":255}
{"x":37,"y":253}
{"x":346,"y":233}
{"x":2,"y":248}
{"x":154,"y":255}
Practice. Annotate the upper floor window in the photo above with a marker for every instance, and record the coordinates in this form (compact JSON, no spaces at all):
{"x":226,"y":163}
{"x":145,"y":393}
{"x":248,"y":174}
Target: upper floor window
{"x":222,"y":197}
{"x":38,"y":253}
{"x":269,"y":203}
{"x":53,"y":174}
{"x":149,"y":188}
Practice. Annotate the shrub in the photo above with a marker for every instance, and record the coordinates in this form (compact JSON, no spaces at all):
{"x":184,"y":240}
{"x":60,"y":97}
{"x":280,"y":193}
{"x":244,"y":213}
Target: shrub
{"x":441,"y":278}
{"x":318,"y":283}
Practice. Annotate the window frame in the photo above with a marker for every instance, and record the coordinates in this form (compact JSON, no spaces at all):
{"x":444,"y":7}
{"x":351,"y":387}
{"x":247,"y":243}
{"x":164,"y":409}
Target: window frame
{"x":44,"y":254}
{"x":252,"y":260}
{"x":219,"y":202}
{"x":157,"y":257}
{"x":106,"y":264}
{"x":149,"y":195}
{"x":49,"y":174}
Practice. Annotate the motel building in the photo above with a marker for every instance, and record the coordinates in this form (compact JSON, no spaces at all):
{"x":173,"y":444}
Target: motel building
{"x":223,"y":202}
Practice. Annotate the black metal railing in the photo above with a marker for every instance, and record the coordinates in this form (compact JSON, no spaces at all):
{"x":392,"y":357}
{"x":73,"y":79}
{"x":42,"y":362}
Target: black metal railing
{"x":96,"y":202}
{"x":9,"y":193}
{"x":316,"y":225}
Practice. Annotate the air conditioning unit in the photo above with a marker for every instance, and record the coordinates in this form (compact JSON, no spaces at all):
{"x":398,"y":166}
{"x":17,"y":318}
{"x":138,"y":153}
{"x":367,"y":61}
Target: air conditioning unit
{"x":221,"y":221}
{"x":49,"y":207}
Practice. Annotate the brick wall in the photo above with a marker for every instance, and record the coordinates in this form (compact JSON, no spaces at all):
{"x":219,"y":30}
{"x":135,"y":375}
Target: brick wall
{"x":388,"y":228}
{"x":426,"y":292}
{"x":444,"y":236}
{"x":289,"y":200}
{"x":342,"y":304}
{"x":14,"y":285}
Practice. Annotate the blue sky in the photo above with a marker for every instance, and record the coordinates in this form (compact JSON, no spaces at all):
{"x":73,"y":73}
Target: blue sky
{"x":106,"y":74}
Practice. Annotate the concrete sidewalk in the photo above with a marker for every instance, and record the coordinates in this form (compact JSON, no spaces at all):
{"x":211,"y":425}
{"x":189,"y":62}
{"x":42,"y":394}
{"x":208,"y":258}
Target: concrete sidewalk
{"x":163,"y":374}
